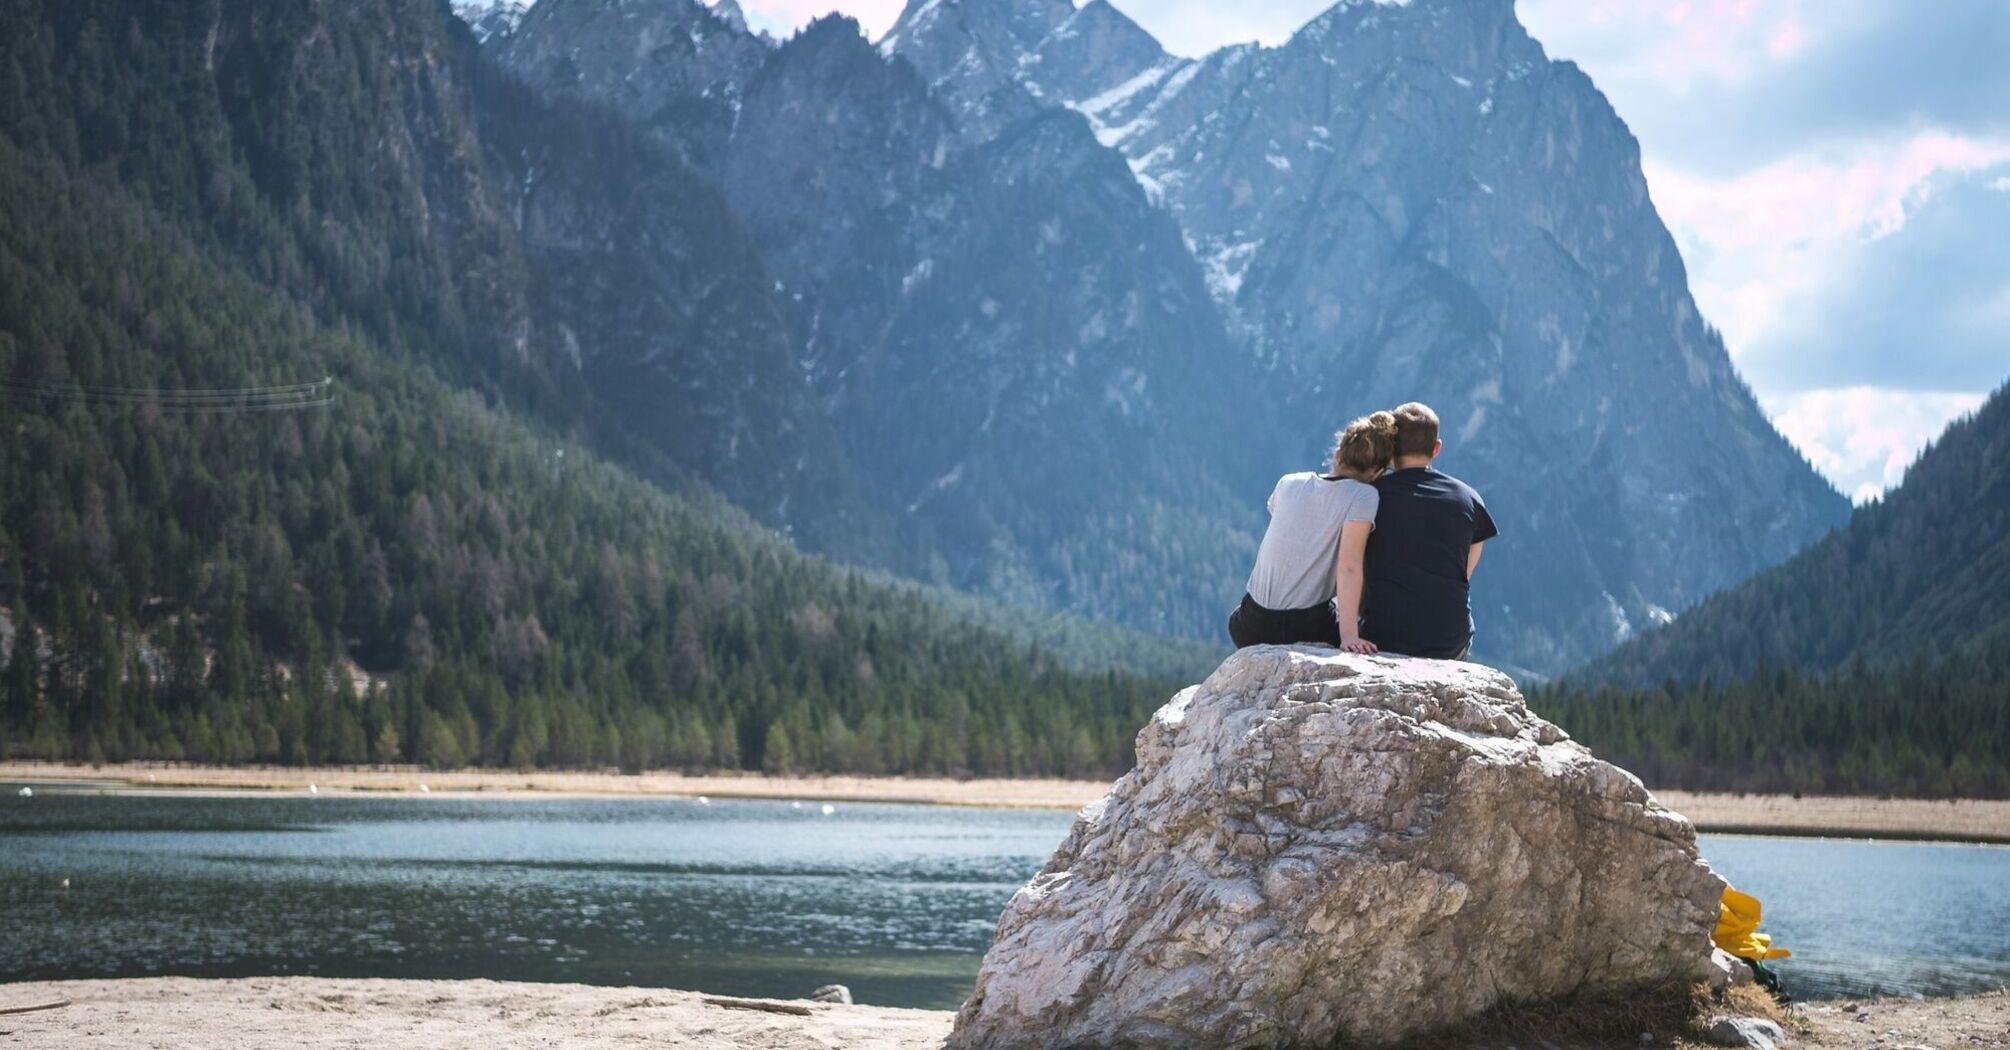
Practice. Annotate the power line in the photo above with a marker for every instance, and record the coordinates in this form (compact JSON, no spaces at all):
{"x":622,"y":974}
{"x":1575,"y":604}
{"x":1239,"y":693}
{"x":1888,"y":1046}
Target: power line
{"x":318,"y":393}
{"x":176,"y":391}
{"x":274,"y":407}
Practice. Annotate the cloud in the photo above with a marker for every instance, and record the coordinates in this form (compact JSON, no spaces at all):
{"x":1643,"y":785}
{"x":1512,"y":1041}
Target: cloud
{"x":1680,"y":45}
{"x":1826,"y":169}
{"x":1864,"y":438}
{"x":1764,"y":79}
{"x":1761,"y":244}
{"x":783,"y":17}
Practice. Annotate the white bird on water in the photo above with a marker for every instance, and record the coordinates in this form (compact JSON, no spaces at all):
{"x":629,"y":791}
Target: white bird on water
{"x":26,"y":792}
{"x":829,"y":809}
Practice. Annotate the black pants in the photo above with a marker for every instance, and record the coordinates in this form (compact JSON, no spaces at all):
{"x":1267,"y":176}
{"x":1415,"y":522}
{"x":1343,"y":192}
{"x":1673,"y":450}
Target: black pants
{"x":1252,"y":624}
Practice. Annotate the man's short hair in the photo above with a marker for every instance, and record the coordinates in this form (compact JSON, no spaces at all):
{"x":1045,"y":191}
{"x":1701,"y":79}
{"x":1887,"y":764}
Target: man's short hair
{"x":1416,"y":429}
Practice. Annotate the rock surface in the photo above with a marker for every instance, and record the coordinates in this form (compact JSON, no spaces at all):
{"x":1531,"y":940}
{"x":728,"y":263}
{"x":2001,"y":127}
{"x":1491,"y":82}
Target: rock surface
{"x":1728,"y":971}
{"x":1755,"y":1032}
{"x":1317,"y":846}
{"x":832,"y":993}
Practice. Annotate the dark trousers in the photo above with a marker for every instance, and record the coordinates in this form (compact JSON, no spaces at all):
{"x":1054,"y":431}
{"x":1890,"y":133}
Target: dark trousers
{"x":1252,"y":624}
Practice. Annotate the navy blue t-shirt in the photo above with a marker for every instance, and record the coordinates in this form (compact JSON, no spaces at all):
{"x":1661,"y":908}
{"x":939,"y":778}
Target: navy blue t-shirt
{"x":1416,"y":589}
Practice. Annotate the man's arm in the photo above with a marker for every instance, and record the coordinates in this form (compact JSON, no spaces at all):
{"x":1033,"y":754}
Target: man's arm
{"x":1473,"y":558}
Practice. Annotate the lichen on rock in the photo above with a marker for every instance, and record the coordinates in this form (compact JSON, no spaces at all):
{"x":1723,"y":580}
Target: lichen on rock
{"x":1317,"y":847}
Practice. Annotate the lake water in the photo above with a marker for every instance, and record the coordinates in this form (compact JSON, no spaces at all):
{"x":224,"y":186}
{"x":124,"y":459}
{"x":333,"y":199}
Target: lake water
{"x":743,"y":898}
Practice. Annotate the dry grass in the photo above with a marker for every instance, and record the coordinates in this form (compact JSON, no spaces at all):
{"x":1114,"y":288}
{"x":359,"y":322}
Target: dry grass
{"x":1674,"y":1014}
{"x":1668,"y":1012}
{"x":1753,"y":1001}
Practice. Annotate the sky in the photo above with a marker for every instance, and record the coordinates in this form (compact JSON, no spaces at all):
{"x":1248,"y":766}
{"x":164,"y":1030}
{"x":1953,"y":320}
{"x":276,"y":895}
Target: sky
{"x":1836,"y":173}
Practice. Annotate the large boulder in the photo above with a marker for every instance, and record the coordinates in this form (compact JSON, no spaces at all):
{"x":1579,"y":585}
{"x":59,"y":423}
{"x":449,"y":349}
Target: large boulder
{"x":1317,"y":847}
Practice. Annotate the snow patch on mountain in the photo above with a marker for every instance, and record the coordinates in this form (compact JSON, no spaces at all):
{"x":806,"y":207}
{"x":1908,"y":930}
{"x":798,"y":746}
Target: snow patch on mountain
{"x":1096,"y":107}
{"x":1225,"y":266}
{"x":492,"y":18}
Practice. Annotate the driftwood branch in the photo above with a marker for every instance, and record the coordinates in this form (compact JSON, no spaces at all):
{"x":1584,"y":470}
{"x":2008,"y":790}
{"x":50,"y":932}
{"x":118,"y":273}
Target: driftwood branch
{"x":57,"y":1005}
{"x":767,"y":1005}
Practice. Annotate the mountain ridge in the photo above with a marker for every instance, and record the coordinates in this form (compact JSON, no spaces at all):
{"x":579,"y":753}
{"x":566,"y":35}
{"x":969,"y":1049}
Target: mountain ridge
{"x":465,"y":557}
{"x":1400,"y":202}
{"x":1918,"y":575}
{"x":1873,"y":661}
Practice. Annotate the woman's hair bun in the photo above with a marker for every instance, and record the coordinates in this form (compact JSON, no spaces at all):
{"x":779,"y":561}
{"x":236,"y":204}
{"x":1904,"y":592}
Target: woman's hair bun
{"x":1366,"y":444}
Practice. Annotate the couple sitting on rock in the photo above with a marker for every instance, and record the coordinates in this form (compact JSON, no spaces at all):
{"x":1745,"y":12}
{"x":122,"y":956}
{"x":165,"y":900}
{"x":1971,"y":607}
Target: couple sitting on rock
{"x":1375,"y":556}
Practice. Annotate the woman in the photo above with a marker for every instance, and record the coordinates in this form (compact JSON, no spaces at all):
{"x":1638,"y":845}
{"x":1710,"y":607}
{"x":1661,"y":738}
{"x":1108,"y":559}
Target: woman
{"x":1311,"y":553}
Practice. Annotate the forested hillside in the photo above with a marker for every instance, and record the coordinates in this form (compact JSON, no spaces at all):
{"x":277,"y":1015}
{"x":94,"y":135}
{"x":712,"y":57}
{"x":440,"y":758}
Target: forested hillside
{"x":1932,"y":728}
{"x":1877,"y":660}
{"x":438,"y":566}
{"x":1917,"y":575}
{"x":192,"y":584}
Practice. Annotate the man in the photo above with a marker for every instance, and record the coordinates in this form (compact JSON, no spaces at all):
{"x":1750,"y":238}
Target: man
{"x":1427,"y":539}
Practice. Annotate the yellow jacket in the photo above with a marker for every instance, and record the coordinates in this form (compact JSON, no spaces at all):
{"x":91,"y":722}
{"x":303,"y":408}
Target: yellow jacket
{"x":1738,"y":928}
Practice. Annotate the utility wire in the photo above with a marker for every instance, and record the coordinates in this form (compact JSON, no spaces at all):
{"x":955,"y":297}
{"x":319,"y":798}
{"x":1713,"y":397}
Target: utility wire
{"x":316,"y":394}
{"x":175,"y":391}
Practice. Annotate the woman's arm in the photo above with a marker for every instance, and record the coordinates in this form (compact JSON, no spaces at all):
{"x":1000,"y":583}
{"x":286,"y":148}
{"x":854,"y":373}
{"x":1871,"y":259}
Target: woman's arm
{"x":1347,"y":582}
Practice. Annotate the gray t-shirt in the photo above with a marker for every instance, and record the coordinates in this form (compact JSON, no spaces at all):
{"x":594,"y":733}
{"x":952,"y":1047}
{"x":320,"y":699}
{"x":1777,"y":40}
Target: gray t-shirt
{"x":1294,"y":566}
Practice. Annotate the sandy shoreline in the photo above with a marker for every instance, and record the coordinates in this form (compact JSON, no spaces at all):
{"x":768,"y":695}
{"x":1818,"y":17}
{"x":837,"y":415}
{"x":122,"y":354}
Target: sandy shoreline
{"x":306,"y":1013}
{"x":299,"y":1013}
{"x":1966,"y":820}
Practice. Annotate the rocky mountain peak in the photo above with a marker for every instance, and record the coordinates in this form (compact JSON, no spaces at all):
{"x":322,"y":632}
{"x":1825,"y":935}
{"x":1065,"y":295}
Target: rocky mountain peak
{"x":675,"y":63}
{"x":976,"y":50}
{"x":972,"y":52}
{"x":491,"y":19}
{"x":729,"y":11}
{"x":1408,"y":200}
{"x":1094,"y":50}
{"x":1024,"y":23}
{"x":1414,"y":18}
{"x":1133,"y":315}
{"x":832,"y":30}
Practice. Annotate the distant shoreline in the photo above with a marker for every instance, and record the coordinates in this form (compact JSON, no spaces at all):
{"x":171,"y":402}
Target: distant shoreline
{"x":1976,"y":821}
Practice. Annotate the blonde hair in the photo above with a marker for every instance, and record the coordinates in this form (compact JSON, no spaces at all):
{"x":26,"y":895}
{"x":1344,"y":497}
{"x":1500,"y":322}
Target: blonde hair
{"x":1365,"y":445}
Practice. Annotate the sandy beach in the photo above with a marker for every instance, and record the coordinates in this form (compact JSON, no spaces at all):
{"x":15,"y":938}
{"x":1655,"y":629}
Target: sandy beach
{"x":306,"y":1013}
{"x":1962,"y":820}
{"x":302,"y":1013}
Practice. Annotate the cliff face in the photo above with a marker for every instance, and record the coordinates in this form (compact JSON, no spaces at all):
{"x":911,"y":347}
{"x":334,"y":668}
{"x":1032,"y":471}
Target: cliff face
{"x":524,"y":242}
{"x":1006,"y":328}
{"x":1072,"y":303}
{"x":1412,"y":202}
{"x":675,"y":67}
{"x":1919,"y":578}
